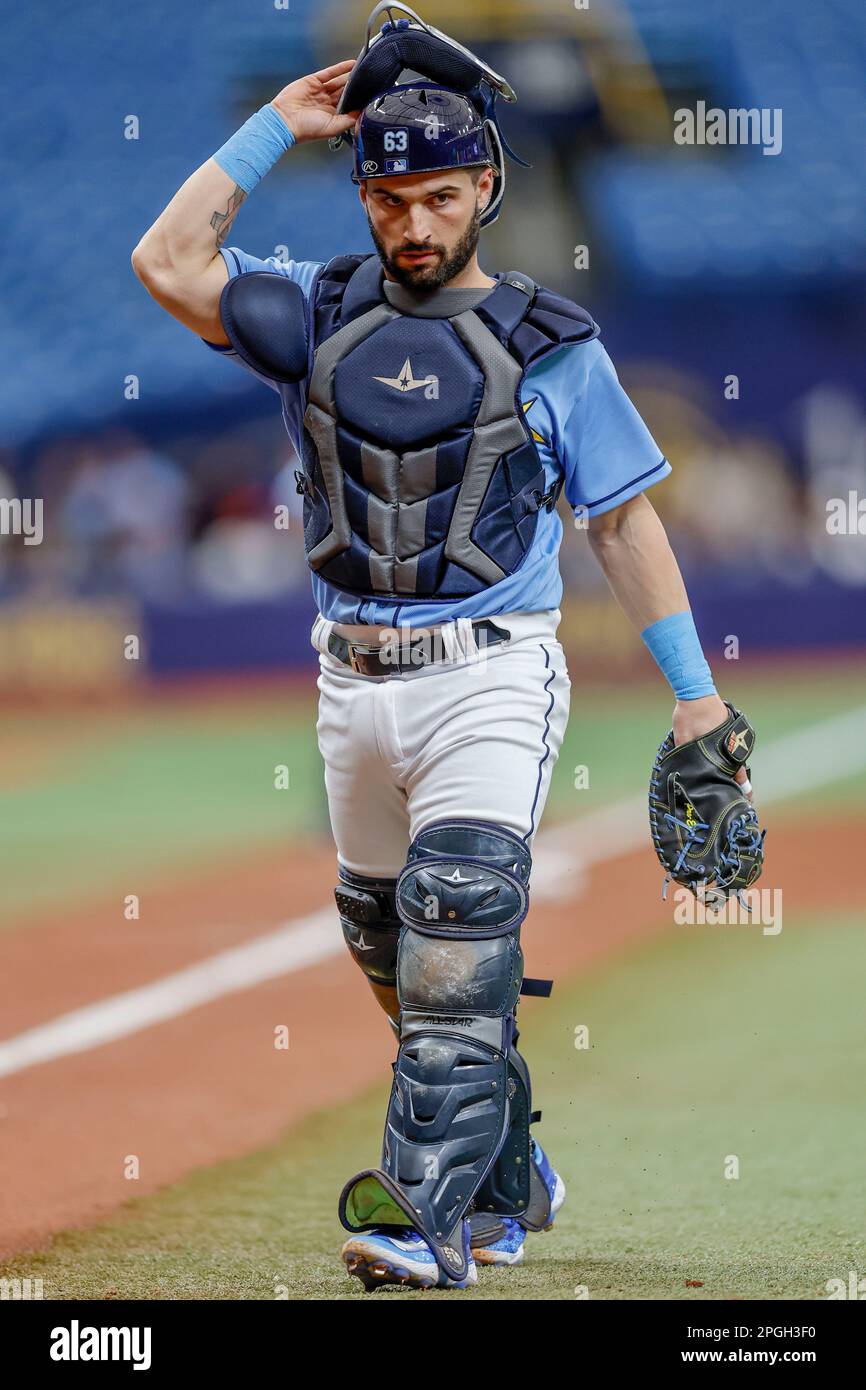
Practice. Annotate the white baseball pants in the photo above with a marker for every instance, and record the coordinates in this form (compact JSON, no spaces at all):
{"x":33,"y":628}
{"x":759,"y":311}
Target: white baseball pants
{"x":473,"y":737}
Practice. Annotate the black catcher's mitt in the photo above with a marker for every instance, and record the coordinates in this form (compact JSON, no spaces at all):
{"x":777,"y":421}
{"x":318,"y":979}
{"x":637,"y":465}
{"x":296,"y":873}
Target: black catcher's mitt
{"x":704,"y":829}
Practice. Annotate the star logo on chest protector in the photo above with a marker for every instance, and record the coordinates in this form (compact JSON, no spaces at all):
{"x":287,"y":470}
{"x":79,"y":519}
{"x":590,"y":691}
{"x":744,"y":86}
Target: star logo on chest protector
{"x":406,"y":381}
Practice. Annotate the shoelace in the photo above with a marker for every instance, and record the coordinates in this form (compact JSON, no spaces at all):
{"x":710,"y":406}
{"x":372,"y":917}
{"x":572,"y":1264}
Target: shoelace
{"x":691,"y":837}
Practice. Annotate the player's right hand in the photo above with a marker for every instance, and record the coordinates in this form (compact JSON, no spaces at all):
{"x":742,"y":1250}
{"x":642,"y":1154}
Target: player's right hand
{"x":309,"y":105}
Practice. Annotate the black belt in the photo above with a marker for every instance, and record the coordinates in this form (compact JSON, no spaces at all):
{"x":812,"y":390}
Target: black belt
{"x":424,"y":648}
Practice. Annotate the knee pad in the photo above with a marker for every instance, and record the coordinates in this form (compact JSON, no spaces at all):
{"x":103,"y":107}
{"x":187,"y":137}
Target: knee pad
{"x":465,"y":879}
{"x":462,"y":896}
{"x":371,"y":929}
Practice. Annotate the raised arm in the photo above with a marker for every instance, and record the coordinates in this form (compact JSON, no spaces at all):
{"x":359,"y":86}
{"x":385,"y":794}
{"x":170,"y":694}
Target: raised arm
{"x":177,"y":259}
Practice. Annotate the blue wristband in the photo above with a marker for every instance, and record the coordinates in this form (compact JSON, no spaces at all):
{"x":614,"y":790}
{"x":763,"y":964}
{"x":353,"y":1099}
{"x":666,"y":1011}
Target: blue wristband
{"x":676,"y":648}
{"x":255,"y":148}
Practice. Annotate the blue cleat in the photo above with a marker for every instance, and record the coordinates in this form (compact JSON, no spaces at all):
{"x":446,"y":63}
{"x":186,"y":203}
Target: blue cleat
{"x":399,"y":1255}
{"x":499,"y":1240}
{"x":551,"y":1179}
{"x":502,"y":1241}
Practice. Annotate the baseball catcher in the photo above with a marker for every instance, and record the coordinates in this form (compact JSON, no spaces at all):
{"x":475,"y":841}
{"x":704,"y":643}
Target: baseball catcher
{"x":438,"y":412}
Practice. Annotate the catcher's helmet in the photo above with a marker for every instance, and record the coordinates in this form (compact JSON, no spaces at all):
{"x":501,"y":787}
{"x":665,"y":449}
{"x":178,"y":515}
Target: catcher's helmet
{"x":441,"y":117}
{"x":417,"y":129}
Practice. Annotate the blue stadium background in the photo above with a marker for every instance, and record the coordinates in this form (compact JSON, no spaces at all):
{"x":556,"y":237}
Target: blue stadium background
{"x":704,"y":262}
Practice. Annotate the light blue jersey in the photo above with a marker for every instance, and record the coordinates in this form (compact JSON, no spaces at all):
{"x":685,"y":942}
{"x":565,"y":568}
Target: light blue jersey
{"x":586,"y":431}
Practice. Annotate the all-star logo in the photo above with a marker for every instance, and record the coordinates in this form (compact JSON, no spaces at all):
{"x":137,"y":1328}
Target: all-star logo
{"x":361,"y":945}
{"x":407,"y":381}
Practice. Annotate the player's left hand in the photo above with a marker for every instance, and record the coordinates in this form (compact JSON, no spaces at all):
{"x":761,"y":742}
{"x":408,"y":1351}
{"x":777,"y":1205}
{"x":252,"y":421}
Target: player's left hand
{"x":692,"y":718}
{"x":704,"y":829}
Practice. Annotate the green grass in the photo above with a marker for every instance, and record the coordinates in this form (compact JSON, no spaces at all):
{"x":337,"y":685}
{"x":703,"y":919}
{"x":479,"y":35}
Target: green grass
{"x":705,"y":1043}
{"x":160,"y":789}
{"x":614,"y":731}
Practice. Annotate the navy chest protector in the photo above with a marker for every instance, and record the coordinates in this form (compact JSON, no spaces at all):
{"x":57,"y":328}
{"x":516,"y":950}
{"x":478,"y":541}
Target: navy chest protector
{"x":420,"y":475}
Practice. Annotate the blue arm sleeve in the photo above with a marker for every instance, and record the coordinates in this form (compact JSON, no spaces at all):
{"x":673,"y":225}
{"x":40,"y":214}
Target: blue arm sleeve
{"x":606,"y":449}
{"x":677,"y":650}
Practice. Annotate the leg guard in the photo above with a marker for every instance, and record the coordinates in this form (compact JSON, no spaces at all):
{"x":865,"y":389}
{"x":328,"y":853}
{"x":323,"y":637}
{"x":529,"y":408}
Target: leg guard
{"x":462,"y":896}
{"x":514,"y":1186}
{"x":371,"y":929}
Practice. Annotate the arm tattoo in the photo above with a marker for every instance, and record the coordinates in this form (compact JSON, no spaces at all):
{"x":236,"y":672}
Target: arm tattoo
{"x":222,"y":221}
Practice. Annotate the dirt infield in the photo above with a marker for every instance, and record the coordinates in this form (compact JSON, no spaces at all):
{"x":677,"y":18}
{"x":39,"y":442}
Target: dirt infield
{"x":210,"y":1084}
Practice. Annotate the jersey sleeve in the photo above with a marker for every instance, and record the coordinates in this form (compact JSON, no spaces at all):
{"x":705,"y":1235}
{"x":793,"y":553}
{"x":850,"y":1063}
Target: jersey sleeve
{"x":607,"y":452}
{"x":239,"y":262}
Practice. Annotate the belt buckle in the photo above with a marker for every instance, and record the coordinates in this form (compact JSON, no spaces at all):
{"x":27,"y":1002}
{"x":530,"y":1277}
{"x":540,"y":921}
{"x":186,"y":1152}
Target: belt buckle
{"x":353,"y":659}
{"x":354,"y":649}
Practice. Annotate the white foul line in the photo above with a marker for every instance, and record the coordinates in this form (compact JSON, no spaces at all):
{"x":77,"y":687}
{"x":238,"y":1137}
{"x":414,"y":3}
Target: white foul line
{"x":304,"y":941}
{"x":796,"y":762}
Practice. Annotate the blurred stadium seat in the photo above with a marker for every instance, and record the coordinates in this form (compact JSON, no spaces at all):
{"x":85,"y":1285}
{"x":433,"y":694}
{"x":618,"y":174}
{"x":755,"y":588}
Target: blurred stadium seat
{"x":794,"y":221}
{"x":704,"y":261}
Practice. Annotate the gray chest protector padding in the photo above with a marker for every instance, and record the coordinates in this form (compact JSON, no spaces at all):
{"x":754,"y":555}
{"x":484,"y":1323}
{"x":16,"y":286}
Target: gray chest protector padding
{"x":265,"y":320}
